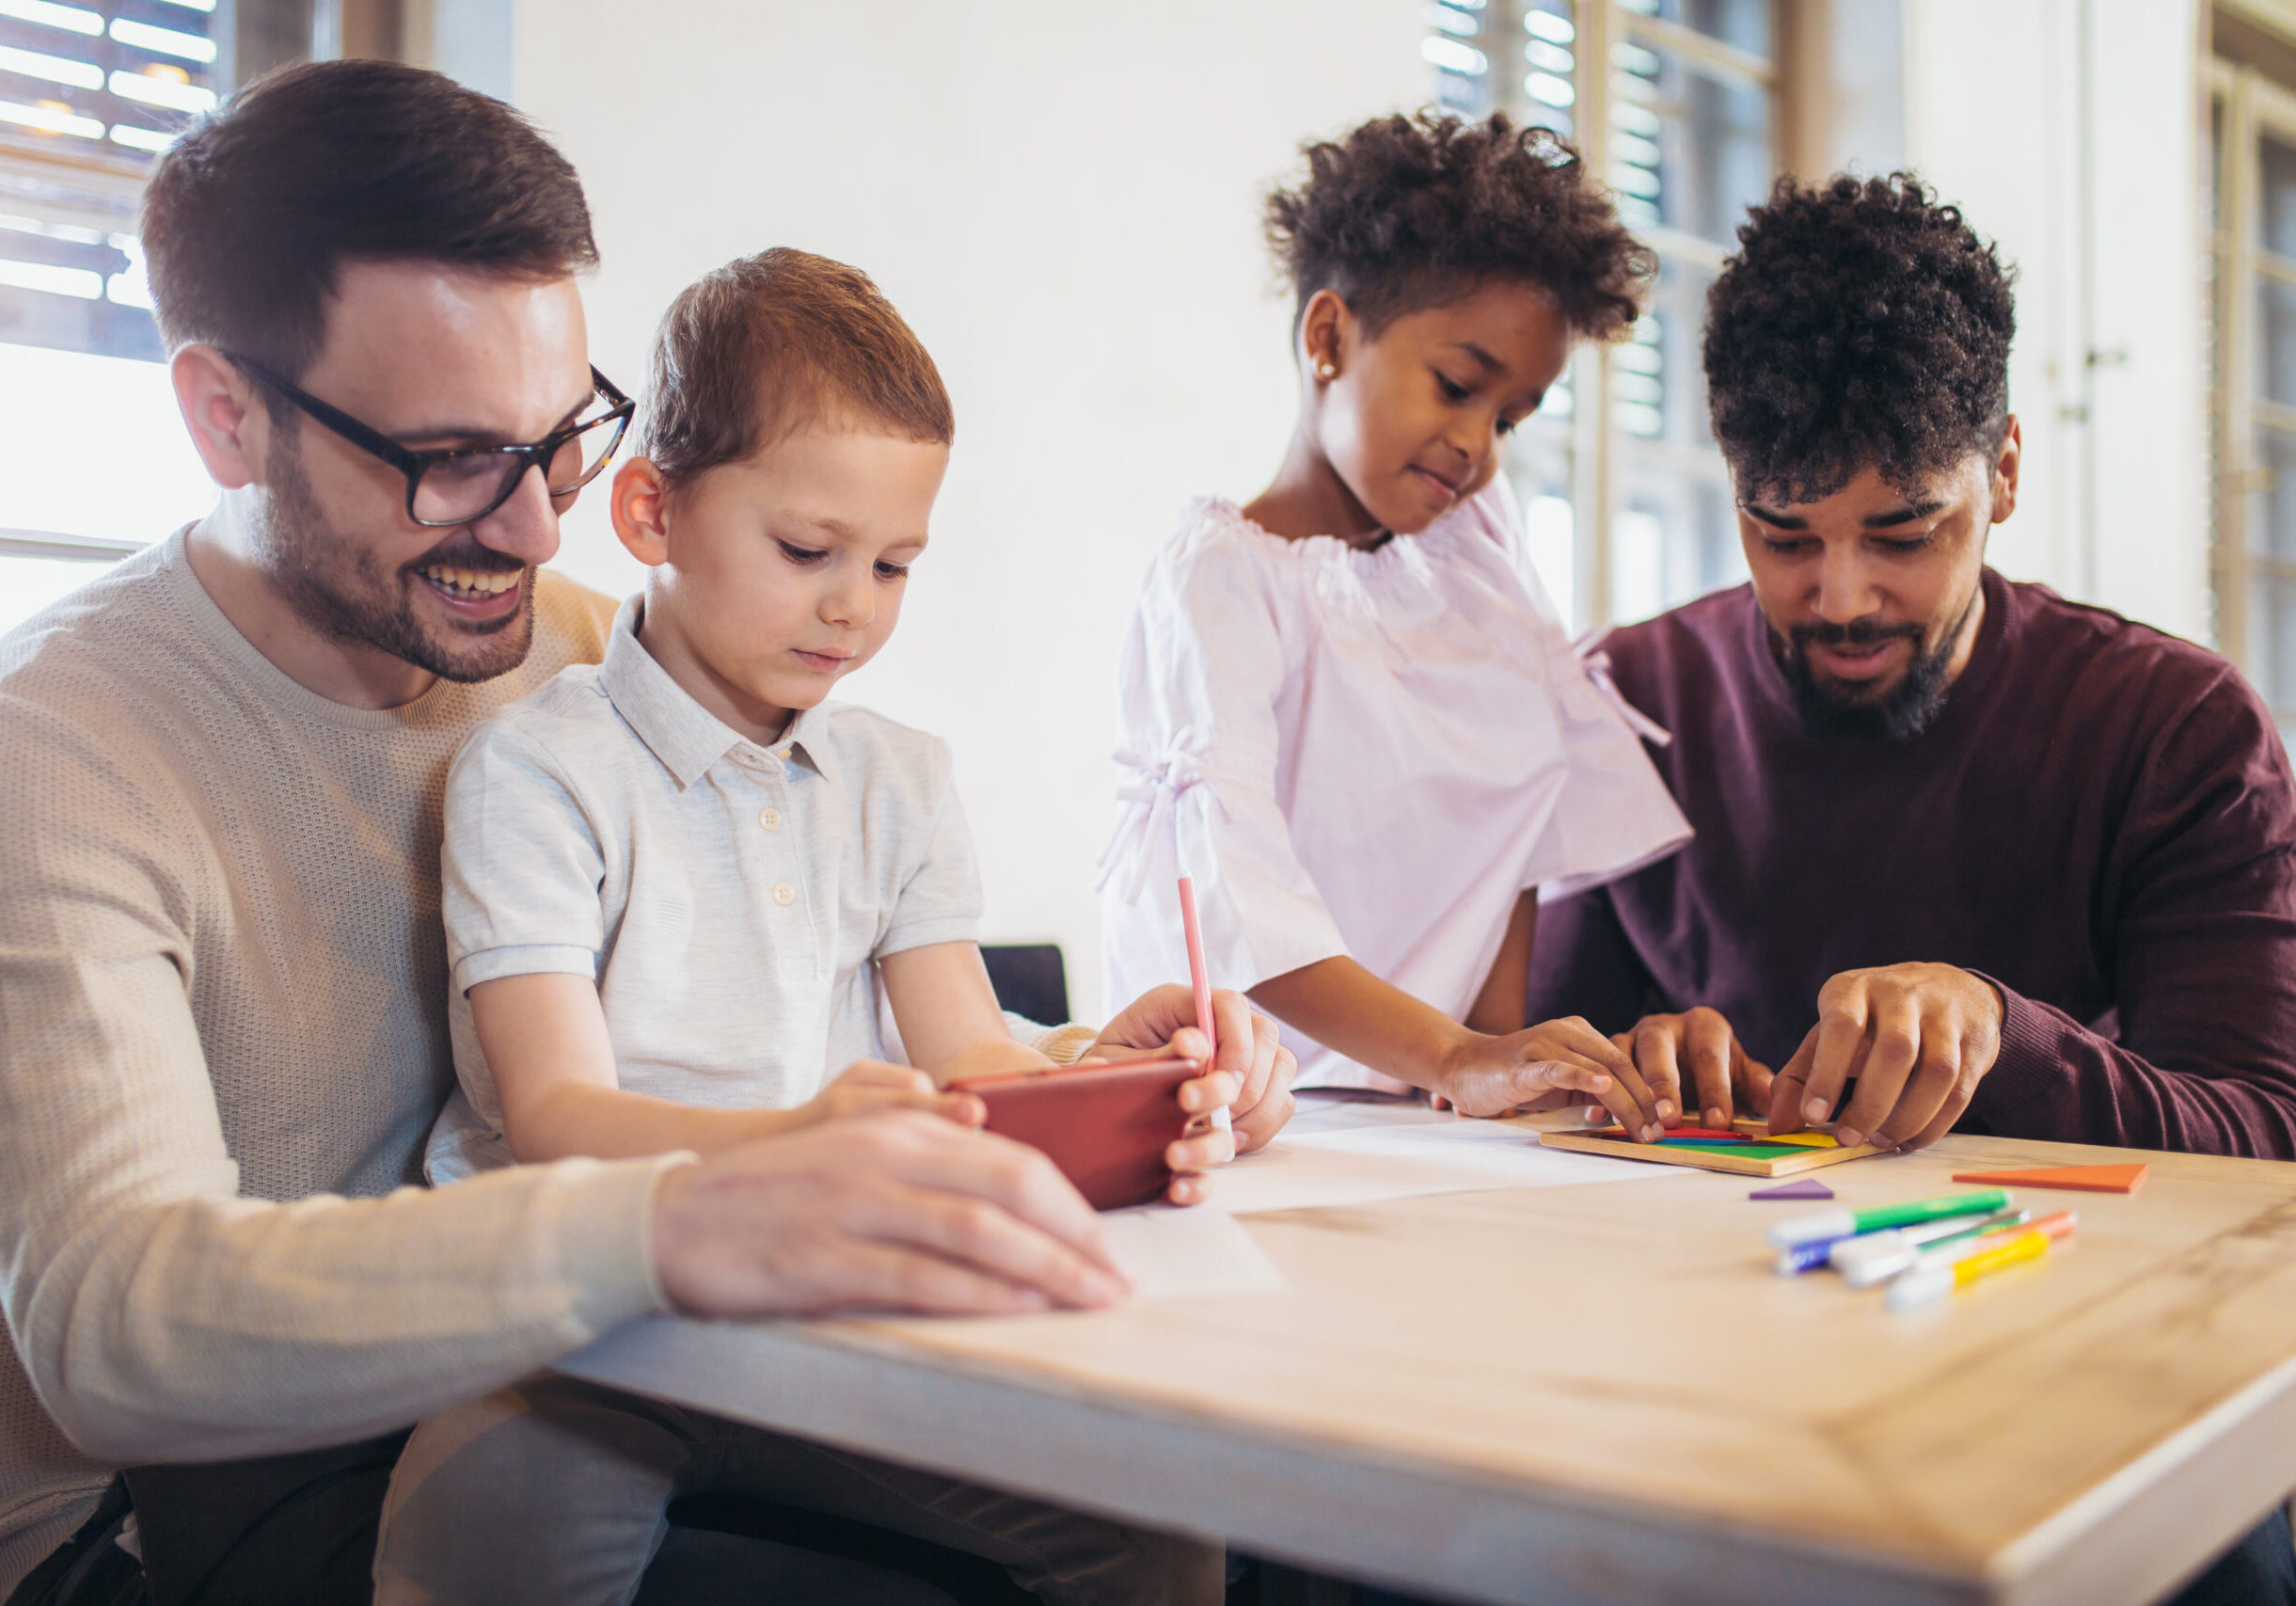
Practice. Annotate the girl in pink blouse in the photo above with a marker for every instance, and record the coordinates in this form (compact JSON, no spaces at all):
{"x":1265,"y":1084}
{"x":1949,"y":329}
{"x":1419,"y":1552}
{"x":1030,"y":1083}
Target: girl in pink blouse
{"x":1347,"y":708}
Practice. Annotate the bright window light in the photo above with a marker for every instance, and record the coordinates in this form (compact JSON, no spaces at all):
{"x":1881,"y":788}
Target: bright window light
{"x":136,"y":138}
{"x":69,"y":233}
{"x":1634,"y":118}
{"x":1554,"y":555}
{"x":192,"y":4}
{"x":1453,"y":56}
{"x":55,"y":68}
{"x":166,"y":42}
{"x":45,"y":410}
{"x":52,"y":116}
{"x":154,"y":91}
{"x":71,"y":18}
{"x":83,"y":284}
{"x":1546,"y":87}
{"x":1547,"y":26}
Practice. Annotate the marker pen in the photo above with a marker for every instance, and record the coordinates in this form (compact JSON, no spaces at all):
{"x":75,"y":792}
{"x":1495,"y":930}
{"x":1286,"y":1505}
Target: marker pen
{"x":1849,"y":1223}
{"x":1927,"y":1284}
{"x":1877,"y":1257}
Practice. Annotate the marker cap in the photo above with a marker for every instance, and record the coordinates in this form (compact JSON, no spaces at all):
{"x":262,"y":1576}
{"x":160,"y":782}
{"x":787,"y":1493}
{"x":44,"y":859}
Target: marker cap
{"x":1810,"y":1228}
{"x":1923,"y":1285}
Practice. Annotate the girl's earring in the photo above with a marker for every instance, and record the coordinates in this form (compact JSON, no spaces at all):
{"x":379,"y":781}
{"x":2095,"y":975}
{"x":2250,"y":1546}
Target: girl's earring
{"x":1326,"y":371}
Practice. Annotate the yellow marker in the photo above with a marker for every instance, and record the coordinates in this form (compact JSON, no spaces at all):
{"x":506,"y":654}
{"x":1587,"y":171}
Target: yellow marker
{"x":1926,"y":1285}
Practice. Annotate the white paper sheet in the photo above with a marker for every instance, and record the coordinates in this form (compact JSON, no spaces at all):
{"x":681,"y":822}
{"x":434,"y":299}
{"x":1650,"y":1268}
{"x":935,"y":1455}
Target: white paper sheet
{"x":1182,"y":1254}
{"x":1362,"y":1164}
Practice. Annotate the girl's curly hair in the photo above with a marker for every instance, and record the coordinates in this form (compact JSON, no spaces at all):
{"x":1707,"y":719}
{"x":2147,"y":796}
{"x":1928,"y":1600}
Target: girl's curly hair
{"x":1407,"y":213}
{"x":1861,"y":325}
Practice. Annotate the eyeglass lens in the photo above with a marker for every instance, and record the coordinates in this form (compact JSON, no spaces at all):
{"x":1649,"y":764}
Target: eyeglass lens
{"x":454,"y":491}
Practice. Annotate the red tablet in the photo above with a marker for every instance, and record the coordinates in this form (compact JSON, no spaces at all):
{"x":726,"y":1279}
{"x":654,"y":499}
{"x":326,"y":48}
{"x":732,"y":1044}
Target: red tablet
{"x":1105,"y":1124}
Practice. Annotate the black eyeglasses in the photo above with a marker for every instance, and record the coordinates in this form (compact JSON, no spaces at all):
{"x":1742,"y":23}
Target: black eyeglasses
{"x":463,"y":484}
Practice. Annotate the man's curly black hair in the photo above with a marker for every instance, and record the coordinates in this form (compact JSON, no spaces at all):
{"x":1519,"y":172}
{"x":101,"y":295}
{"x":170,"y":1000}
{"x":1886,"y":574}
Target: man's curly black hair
{"x":1862,"y":323}
{"x":1407,"y":213}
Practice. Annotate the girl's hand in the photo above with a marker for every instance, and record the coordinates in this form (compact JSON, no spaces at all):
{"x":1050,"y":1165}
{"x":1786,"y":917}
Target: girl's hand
{"x":1252,"y":1064}
{"x":867,"y":1085}
{"x":1495,"y":1075}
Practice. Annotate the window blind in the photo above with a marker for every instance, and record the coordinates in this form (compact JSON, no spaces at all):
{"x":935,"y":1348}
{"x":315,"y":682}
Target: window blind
{"x":89,"y":95}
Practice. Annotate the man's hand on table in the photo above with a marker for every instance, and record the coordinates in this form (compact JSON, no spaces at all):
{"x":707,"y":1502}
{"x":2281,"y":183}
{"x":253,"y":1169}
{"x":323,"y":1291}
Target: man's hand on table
{"x":1918,"y":1038}
{"x":898,"y":1209}
{"x":1722,"y":1078}
{"x":1250,"y":1073}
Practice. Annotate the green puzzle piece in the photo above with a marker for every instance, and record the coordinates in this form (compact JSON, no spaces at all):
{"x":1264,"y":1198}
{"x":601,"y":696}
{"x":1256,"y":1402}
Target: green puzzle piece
{"x":1753,"y":1151}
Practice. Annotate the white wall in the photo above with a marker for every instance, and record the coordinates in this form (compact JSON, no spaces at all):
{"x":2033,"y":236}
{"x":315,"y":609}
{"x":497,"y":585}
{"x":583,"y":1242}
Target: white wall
{"x":1063,"y":199}
{"x":2095,"y":191}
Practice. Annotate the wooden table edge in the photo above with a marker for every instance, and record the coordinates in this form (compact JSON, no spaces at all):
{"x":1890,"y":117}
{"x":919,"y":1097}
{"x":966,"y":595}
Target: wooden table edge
{"x":1381,"y":1515}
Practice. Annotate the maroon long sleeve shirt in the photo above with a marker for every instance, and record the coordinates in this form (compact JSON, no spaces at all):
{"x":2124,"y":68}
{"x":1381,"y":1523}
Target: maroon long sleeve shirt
{"x":2101,"y":821}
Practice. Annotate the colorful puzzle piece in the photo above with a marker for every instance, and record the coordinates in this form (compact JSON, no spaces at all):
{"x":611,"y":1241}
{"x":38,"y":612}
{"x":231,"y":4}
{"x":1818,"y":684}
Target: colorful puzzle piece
{"x":1683,"y":1135}
{"x":1805,"y":1188}
{"x":1756,"y":1149}
{"x":2081,"y":1178}
{"x":1748,"y":1150}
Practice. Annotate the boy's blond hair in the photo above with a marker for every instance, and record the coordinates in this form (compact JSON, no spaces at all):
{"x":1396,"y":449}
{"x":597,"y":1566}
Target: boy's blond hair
{"x":770,"y":344}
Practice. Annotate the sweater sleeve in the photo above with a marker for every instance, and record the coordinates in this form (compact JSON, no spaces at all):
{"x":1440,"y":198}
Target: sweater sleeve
{"x":2199,"y":911}
{"x":1582,"y":963}
{"x":158,"y":1314}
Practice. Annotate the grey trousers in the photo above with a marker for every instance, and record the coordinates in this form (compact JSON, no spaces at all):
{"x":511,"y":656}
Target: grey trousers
{"x":555,"y":1492}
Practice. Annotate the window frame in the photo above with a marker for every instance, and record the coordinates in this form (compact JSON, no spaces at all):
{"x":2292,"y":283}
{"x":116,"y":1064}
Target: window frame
{"x":1600,"y":451}
{"x":2250,"y":106}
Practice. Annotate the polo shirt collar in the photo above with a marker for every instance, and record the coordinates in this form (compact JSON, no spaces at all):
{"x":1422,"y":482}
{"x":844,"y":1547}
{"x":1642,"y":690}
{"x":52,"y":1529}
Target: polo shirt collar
{"x":685,"y":735}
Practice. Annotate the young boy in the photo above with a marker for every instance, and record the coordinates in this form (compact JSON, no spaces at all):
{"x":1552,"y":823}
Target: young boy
{"x":676,"y":886}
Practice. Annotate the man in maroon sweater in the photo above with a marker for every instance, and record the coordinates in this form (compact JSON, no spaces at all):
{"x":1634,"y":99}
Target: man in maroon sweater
{"x":2007,"y":863}
{"x":2000,"y":862}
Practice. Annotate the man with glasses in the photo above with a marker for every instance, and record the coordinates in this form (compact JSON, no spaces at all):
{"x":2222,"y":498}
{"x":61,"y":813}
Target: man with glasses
{"x":222,"y":973}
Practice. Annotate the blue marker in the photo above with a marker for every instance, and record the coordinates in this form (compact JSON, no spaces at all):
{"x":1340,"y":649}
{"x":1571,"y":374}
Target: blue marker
{"x":1809,"y":1256}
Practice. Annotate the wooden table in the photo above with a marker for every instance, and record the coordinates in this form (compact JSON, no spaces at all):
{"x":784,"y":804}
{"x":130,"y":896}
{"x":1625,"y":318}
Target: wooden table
{"x":1604,"y":1394}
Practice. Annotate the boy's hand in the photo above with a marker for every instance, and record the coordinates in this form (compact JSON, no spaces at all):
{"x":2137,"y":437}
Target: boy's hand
{"x":1251,"y":1072}
{"x":895,"y":1209}
{"x":870,"y":1085}
{"x":1723,"y":1079}
{"x":1495,"y":1075}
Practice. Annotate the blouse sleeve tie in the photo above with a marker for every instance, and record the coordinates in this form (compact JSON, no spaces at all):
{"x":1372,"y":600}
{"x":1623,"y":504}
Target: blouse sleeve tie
{"x":1150,"y":789}
{"x":1596,"y":662}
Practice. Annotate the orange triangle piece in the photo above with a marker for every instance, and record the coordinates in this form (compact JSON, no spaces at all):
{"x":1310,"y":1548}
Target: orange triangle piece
{"x":2083,"y":1178}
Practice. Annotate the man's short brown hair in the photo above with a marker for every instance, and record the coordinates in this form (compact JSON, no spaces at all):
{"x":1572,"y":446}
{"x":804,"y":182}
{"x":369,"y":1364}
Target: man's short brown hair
{"x":769,"y":345}
{"x":250,"y":215}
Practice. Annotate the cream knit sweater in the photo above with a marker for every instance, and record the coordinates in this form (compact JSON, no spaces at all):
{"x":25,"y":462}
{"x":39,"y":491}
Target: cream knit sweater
{"x":222,"y":1042}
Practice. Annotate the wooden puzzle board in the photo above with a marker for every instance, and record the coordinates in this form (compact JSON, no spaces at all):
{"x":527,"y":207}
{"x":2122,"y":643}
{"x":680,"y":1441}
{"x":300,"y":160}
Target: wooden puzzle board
{"x":1797,"y":1151}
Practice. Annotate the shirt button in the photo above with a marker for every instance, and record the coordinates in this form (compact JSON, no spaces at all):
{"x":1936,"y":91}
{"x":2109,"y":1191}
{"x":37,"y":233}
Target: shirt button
{"x":783,"y":894}
{"x":771,"y":818}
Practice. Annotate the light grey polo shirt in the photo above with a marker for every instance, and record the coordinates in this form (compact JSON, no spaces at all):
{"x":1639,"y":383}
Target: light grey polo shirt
{"x":728,"y":899}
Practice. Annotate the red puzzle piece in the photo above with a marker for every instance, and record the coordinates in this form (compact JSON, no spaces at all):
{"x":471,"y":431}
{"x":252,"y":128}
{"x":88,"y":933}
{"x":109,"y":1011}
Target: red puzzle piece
{"x":2081,"y":1178}
{"x":1691,"y":1134}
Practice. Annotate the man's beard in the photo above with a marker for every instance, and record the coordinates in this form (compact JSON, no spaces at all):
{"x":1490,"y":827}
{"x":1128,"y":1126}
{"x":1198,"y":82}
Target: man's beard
{"x":1900,"y":715}
{"x":341,"y":591}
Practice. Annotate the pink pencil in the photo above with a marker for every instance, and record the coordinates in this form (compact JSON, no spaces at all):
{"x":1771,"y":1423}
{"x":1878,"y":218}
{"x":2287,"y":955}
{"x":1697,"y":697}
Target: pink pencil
{"x":1200,"y":976}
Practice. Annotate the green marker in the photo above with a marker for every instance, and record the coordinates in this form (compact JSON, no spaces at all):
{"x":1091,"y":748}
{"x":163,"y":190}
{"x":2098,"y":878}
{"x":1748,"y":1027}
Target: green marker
{"x":1849,"y":1223}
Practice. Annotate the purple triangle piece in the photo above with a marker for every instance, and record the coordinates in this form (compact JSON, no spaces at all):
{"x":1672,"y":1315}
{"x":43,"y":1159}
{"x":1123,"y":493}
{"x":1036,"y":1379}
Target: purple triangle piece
{"x":1807,"y":1187}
